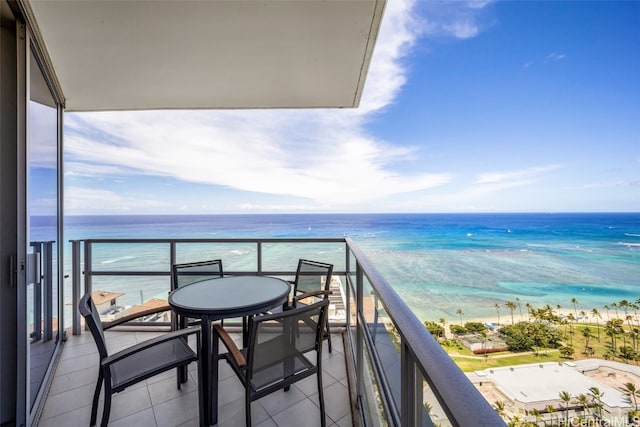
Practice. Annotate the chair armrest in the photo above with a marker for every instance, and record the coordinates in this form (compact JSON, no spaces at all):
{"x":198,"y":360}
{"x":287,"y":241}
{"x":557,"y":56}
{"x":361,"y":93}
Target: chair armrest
{"x":139,"y":313}
{"x":312,"y":294}
{"x":149,"y":343}
{"x":231,"y":346}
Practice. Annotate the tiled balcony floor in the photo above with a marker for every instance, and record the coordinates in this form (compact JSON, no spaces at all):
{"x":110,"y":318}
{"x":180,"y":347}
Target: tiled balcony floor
{"x":157,"y":401}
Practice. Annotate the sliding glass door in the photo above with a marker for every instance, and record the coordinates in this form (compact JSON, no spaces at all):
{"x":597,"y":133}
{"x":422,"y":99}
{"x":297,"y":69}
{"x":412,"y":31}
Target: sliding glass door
{"x":43,"y":222}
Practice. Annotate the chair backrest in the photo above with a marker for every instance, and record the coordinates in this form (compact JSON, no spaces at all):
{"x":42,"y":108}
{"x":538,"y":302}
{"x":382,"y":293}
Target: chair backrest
{"x":92,"y":319}
{"x":185,"y":274}
{"x":312,"y":276}
{"x":278,"y":340}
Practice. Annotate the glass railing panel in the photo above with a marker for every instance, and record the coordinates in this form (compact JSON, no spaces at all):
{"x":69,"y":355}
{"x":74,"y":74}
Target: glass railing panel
{"x":121,"y":295}
{"x":235,"y":256}
{"x":371,"y":398}
{"x":431,"y":412}
{"x":384,"y":338}
{"x":130,"y":257}
{"x":284,"y":256}
{"x":338,"y":299}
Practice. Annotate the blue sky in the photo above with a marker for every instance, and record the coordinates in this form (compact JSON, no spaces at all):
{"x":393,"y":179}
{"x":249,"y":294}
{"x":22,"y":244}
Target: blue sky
{"x":468,"y":107}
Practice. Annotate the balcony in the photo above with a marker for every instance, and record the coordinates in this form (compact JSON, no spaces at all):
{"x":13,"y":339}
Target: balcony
{"x":385,"y":368}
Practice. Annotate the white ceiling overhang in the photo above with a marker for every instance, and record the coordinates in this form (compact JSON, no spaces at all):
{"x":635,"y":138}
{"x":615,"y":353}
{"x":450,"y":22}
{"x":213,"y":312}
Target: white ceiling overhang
{"x":170,"y":54}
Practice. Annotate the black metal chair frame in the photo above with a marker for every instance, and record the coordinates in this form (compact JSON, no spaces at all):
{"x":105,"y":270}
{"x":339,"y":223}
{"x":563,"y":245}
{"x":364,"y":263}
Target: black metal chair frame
{"x":242,"y":361}
{"x":302,"y":294}
{"x":132,"y":365}
{"x":199,"y":270}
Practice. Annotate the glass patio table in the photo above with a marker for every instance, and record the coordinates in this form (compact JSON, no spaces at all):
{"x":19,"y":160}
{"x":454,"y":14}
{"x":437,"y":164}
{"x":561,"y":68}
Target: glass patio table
{"x":214,"y":299}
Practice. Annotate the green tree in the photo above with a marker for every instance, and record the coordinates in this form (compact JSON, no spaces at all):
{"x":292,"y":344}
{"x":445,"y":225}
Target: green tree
{"x":511,"y":306}
{"x":550,"y":410}
{"x":519,"y":307}
{"x":631,"y":390}
{"x":571,"y":318}
{"x":596,"y":314}
{"x":574,"y":301}
{"x":500,"y":407}
{"x":567,"y":351}
{"x":434,"y":328}
{"x":583,"y":400}
{"x":628,"y":353}
{"x":612,"y":329}
{"x":596,"y":400}
{"x":586,"y":333}
{"x":565,"y":396}
{"x":460,"y":313}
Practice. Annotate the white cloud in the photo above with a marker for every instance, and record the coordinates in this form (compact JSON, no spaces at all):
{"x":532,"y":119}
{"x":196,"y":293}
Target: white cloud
{"x":322,"y":155}
{"x":554,"y":56}
{"x":457,"y":19}
{"x":92,"y":200}
{"x":500,"y":180}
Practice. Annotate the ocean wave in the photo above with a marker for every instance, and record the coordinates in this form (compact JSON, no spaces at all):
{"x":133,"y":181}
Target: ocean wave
{"x":629,"y":244}
{"x":122,"y":258}
{"x":632,"y":234}
{"x":238,"y":252}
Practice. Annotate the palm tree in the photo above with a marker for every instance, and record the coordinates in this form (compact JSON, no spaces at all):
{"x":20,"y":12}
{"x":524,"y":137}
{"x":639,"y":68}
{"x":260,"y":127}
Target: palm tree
{"x":497,"y":306}
{"x":631,"y":390}
{"x":596,"y":400}
{"x":460,"y":313}
{"x":613,"y":328}
{"x":586,"y":333}
{"x":511,"y":306}
{"x":565,"y":396}
{"x":515,"y":421}
{"x":571,"y":319}
{"x":574,"y":301}
{"x":519,"y":307}
{"x":606,"y":307}
{"x":583,"y":400}
{"x":615,"y":307}
{"x":596,"y":315}
{"x":624,"y":304}
{"x":550,"y":410}
{"x":500,"y":408}
{"x":583,"y":314}
{"x":529,"y":309}
{"x":536,"y":413}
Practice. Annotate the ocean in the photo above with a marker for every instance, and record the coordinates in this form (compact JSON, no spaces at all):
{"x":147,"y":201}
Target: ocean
{"x":438,"y":263}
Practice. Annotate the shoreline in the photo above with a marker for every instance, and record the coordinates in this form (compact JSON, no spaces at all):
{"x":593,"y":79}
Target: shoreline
{"x":506,"y":320}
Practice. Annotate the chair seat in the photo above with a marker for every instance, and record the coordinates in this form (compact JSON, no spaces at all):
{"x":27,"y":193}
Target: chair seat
{"x":275,"y":356}
{"x":271,"y":373}
{"x":149,"y":362}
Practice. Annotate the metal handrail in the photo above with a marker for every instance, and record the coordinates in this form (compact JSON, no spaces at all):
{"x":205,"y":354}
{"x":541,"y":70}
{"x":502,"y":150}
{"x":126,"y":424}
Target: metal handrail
{"x":421,"y":357}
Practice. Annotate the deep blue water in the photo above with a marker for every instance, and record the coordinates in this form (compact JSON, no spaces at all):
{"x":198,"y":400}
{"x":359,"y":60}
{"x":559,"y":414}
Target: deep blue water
{"x":440,"y":263}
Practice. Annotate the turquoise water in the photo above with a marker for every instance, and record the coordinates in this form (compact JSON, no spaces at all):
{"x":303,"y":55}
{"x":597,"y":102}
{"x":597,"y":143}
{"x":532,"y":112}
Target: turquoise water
{"x":438,"y":263}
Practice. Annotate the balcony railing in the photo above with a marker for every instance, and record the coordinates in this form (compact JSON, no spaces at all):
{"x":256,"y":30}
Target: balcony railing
{"x":400,"y":373}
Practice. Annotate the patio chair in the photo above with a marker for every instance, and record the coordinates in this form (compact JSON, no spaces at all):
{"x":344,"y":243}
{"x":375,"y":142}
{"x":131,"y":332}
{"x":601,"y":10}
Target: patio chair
{"x":313,"y":281}
{"x":136,"y":363}
{"x":187,"y":273}
{"x":183,"y":275}
{"x":278,"y":352}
